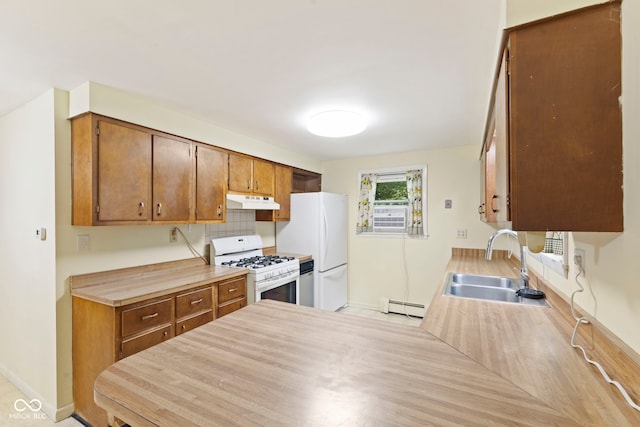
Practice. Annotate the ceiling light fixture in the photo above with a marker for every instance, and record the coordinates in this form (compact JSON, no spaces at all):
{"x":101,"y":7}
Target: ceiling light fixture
{"x":336,"y":123}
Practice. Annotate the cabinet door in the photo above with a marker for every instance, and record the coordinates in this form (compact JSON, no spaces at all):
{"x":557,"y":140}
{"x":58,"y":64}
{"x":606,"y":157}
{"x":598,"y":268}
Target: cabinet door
{"x":124,"y":173}
{"x":172,"y":178}
{"x":283,"y":188}
{"x":565,"y":129}
{"x":263,"y":177}
{"x":211,"y":184}
{"x":284,"y":183}
{"x":240,"y":173}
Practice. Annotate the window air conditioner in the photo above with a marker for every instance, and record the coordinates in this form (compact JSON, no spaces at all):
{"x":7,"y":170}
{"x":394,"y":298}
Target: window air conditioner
{"x":389,"y":218}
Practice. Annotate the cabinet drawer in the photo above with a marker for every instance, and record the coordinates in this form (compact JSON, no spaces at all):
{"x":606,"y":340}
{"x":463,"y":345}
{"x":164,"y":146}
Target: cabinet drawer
{"x":144,"y":341}
{"x":192,"y":302}
{"x":185,"y":325}
{"x":147,"y":316}
{"x":231,"y":290}
{"x":231,"y":307}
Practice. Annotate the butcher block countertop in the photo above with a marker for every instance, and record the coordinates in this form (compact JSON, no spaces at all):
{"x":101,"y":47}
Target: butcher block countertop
{"x":129,"y":285}
{"x":471,"y":363}
{"x":529,"y":347}
{"x":277,"y":364}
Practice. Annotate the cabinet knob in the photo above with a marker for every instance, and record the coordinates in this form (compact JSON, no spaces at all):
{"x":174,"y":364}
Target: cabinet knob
{"x":165,"y":333}
{"x":184,"y":327}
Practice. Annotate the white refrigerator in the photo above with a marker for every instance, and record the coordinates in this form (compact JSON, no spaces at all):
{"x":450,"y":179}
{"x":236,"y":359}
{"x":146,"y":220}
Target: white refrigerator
{"x":318,"y":227}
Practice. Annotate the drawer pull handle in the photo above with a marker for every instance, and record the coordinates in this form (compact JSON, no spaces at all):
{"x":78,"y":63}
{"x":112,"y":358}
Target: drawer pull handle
{"x":232,"y":290}
{"x":150,"y":316}
{"x":184,"y":327}
{"x":166,"y":333}
{"x":198,"y":301}
{"x":159,"y":209}
{"x":140,"y":208}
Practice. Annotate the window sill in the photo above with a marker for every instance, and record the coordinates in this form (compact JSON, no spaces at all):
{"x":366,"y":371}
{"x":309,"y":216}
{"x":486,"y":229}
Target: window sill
{"x":553,"y":262}
{"x":391,"y":236}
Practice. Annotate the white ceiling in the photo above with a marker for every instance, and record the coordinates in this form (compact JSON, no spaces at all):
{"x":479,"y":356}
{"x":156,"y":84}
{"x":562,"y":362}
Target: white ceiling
{"x":421,"y":70}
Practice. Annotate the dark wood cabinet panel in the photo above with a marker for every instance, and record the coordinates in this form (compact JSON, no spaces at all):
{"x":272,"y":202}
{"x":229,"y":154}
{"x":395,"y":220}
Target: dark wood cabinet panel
{"x":563,"y":122}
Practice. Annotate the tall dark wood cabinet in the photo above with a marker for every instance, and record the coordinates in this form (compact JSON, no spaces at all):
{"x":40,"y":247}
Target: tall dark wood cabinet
{"x":560,"y":114}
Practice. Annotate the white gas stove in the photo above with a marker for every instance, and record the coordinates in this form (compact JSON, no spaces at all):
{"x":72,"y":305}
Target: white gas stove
{"x":270,"y":276}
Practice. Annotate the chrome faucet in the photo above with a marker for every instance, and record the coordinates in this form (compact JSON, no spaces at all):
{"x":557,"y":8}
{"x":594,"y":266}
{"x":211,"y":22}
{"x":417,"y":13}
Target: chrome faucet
{"x":524,"y":275}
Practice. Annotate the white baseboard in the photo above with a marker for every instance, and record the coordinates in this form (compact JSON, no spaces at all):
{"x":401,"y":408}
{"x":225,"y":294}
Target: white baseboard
{"x":50,"y":410}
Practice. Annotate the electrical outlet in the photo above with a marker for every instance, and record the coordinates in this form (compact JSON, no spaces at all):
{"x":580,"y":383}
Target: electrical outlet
{"x":578,"y":258}
{"x":462,"y":233}
{"x":447,"y":204}
{"x":173,"y":235}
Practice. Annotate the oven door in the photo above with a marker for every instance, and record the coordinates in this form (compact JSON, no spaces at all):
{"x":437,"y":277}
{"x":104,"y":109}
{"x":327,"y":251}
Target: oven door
{"x":286,"y":290}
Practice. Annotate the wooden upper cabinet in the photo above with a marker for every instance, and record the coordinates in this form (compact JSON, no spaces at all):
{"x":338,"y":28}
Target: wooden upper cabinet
{"x":306,"y":181}
{"x":240,"y":173}
{"x":111,"y":167}
{"x":563,"y":121}
{"x":127,"y":174}
{"x":263,"y":177}
{"x":250,"y":175}
{"x":211,"y":184}
{"x":283,"y":188}
{"x":172,"y":180}
{"x":124,"y":173}
{"x":494,"y":202}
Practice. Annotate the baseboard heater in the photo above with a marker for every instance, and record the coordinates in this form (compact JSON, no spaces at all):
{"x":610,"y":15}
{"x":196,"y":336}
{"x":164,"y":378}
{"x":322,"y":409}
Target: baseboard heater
{"x":401,"y":307}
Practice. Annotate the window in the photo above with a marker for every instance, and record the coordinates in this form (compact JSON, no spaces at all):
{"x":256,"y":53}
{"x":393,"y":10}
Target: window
{"x":392,"y":201}
{"x":554,"y":255}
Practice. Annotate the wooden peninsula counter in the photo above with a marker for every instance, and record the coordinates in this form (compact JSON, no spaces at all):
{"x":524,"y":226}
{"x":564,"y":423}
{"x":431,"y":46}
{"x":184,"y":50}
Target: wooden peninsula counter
{"x":279,"y":364}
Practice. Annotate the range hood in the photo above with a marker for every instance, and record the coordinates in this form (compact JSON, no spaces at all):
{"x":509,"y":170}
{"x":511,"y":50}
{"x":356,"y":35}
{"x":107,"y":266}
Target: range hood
{"x":240,"y":201}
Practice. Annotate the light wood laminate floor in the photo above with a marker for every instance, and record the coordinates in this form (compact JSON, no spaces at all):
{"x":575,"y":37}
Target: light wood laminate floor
{"x":23,"y":416}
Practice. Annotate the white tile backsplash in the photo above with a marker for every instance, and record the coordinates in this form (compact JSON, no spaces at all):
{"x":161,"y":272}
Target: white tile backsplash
{"x":239,"y":222}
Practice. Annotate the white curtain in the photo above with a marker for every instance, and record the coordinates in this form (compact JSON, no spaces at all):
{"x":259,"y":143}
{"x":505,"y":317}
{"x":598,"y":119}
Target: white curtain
{"x":366,"y":198}
{"x":414,"y":192}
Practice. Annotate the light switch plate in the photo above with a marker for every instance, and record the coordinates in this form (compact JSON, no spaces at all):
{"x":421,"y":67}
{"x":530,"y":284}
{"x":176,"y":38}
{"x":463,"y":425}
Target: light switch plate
{"x":84,"y":243}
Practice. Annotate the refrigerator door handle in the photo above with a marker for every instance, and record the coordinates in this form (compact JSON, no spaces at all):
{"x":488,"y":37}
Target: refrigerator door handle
{"x":326,"y":233}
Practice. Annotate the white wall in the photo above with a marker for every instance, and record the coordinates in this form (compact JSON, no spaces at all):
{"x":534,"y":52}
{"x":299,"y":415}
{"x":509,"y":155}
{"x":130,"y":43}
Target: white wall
{"x":148,"y":112}
{"x":521,"y":11}
{"x":412,"y":269}
{"x":28,"y":265}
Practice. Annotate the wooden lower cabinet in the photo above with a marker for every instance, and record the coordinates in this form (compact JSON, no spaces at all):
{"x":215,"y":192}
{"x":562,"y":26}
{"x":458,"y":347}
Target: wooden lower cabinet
{"x":232,"y":295}
{"x":104,"y":334}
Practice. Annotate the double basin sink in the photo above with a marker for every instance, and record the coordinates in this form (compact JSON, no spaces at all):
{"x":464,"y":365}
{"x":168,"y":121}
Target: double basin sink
{"x":490,"y":288}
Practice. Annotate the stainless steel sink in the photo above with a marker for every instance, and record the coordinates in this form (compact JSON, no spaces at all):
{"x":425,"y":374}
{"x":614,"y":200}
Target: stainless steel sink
{"x":491,"y":288}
